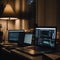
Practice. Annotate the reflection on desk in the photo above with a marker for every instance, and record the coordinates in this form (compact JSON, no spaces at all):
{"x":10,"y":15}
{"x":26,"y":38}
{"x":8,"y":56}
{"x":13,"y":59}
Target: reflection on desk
{"x":27,"y":56}
{"x":53,"y":56}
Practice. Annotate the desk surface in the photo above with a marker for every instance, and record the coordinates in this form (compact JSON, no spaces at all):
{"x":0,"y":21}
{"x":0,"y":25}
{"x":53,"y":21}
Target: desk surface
{"x":27,"y":56}
{"x":53,"y":56}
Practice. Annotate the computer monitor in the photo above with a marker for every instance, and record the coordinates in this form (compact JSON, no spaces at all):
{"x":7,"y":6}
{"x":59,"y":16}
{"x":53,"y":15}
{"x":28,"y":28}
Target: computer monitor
{"x":45,"y":36}
{"x":13,"y":35}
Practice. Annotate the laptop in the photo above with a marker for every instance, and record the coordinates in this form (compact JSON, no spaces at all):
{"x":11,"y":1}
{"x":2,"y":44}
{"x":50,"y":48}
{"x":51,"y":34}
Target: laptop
{"x":26,"y":39}
{"x":13,"y":37}
{"x":45,"y":39}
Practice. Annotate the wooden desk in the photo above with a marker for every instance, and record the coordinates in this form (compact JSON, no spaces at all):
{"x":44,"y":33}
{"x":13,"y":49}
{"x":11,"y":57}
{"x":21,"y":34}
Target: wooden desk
{"x":6,"y":50}
{"x":27,"y":55}
{"x":54,"y":56}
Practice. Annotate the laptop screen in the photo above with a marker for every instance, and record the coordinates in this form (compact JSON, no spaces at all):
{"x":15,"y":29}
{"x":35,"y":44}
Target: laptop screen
{"x":13,"y":35}
{"x":28,"y":38}
{"x":45,"y":36}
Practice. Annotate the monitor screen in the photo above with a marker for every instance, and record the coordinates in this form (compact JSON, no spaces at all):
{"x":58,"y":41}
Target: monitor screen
{"x":45,"y":36}
{"x":28,"y":38}
{"x":13,"y":35}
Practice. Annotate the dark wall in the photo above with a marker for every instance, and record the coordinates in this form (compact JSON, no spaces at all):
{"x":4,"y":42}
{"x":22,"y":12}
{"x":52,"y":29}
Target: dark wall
{"x":1,"y":7}
{"x":46,"y":12}
{"x":58,"y":15}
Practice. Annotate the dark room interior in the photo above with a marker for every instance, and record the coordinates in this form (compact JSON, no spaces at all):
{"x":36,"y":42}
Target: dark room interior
{"x":30,"y":29}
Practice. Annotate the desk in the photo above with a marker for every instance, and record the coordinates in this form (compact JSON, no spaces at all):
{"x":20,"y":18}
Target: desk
{"x":27,"y":56}
{"x":53,"y":56}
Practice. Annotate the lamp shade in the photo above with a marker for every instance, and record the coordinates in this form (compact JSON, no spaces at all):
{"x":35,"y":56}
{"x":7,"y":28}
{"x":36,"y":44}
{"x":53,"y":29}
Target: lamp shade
{"x":8,"y":11}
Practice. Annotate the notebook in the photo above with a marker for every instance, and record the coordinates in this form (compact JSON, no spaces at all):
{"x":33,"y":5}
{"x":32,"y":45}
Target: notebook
{"x":45,"y":36}
{"x":44,"y":41}
{"x":14,"y":37}
{"x":27,"y":39}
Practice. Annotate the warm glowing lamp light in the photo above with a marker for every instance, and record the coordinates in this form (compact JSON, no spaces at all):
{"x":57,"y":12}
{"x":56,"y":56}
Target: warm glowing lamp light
{"x":8,"y":12}
{"x":8,"y":9}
